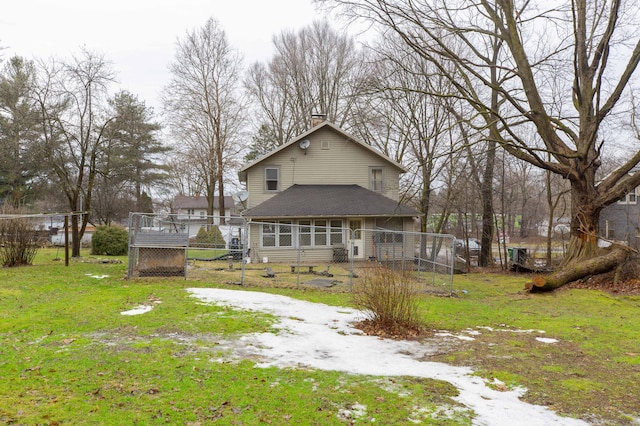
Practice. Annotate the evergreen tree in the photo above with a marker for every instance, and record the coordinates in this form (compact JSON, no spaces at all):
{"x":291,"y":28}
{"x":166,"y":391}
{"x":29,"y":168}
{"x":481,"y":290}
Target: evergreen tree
{"x":17,"y":132}
{"x":132,"y":162}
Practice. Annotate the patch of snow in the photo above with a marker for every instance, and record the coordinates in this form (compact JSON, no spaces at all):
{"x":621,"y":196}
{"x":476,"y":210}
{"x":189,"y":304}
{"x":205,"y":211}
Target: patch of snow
{"x":457,"y":336}
{"x":497,"y":382}
{"x":142,"y":309}
{"x":546,"y":340}
{"x":517,"y":330}
{"x":322,"y":337}
{"x":356,"y":411}
{"x":98,"y":277}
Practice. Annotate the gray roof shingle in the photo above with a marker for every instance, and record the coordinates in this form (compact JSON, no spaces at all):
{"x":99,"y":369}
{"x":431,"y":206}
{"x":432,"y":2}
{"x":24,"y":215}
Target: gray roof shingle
{"x":200,"y":202}
{"x":329,"y":201}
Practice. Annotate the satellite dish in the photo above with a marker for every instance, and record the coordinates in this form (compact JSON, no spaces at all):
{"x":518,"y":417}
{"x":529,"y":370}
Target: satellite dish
{"x":240,"y":197}
{"x":304,"y":144}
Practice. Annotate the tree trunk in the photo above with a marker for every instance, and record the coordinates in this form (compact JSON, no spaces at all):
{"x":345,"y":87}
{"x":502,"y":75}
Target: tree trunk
{"x":585,"y":217}
{"x":584,"y":257}
{"x":605,"y":260}
{"x":75,"y":236}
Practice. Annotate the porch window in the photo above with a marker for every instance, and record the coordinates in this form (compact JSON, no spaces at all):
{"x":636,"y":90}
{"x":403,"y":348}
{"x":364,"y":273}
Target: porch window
{"x":269,"y":235}
{"x":277,"y":234}
{"x":320,"y":233}
{"x":336,"y":232}
{"x":376,"y":179}
{"x":284,"y":234}
{"x":272,"y":179}
{"x":304,"y":232}
{"x":307,"y":233}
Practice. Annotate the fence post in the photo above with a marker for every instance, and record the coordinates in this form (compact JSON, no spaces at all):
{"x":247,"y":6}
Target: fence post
{"x":351,"y":256}
{"x":66,"y":240}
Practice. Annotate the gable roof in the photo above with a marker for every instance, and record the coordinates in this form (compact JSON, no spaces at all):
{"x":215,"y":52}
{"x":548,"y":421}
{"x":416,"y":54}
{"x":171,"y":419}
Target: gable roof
{"x":199,"y":202}
{"x":242,"y":174}
{"x":327,"y":201}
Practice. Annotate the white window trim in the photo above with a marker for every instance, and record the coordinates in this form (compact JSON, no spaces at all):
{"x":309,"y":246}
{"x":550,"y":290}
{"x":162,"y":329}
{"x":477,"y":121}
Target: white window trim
{"x":631,"y":198}
{"x":295,"y":234}
{"x":310,"y":227}
{"x":278,"y":179}
{"x":372,"y":185}
{"x":277,"y":235}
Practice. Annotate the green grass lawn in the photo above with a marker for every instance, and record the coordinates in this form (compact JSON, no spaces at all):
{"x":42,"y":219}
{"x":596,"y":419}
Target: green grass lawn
{"x":68,"y":355}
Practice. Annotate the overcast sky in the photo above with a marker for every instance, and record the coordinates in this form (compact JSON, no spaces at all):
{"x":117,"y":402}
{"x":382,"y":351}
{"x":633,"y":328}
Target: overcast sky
{"x":139,"y":36}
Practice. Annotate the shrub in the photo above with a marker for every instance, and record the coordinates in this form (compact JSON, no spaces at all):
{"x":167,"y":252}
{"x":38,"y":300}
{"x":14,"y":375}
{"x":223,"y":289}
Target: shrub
{"x":210,"y":237}
{"x":110,"y":241}
{"x":18,"y":242}
{"x":390,"y":300}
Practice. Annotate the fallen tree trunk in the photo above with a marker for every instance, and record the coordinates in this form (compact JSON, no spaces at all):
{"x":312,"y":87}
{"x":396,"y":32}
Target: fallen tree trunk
{"x":604,"y":260}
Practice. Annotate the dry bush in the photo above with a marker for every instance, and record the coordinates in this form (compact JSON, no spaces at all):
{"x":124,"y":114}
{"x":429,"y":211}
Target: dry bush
{"x":18,"y":241}
{"x":390,"y":300}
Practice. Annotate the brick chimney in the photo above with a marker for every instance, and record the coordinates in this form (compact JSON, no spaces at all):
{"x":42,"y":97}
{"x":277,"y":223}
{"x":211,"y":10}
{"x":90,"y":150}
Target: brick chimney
{"x":317,"y":119}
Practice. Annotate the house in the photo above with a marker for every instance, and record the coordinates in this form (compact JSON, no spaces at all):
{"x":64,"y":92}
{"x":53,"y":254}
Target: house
{"x":53,"y":225}
{"x":320,"y":192}
{"x":58,"y":238}
{"x":561,"y":227}
{"x":195,"y":207}
{"x":191,"y":211}
{"x":621,"y":220}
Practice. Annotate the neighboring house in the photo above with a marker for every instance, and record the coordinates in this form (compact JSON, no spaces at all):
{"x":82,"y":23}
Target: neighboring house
{"x":317,"y":192}
{"x":195,"y":208}
{"x":54,"y":226}
{"x":561,"y":226}
{"x":621,"y":220}
{"x":192,"y":212}
{"x":57,"y":238}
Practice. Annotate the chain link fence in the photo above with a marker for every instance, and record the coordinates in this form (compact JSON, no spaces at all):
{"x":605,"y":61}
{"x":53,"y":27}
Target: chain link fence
{"x":23,"y":234}
{"x":318,"y":253}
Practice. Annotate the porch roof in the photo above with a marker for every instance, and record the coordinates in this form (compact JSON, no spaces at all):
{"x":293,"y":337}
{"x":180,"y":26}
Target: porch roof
{"x":329,"y":201}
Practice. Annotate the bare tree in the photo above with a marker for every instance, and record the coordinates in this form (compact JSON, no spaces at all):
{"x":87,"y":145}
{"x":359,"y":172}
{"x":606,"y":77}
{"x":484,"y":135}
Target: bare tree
{"x":71,"y":98}
{"x":316,"y":70}
{"x":557,"y":204}
{"x":564,"y":70}
{"x":397,"y":115}
{"x":204,"y":106}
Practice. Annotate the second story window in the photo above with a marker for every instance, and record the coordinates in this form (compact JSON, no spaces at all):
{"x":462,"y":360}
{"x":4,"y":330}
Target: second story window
{"x":272,"y":178}
{"x":376,"y":179}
